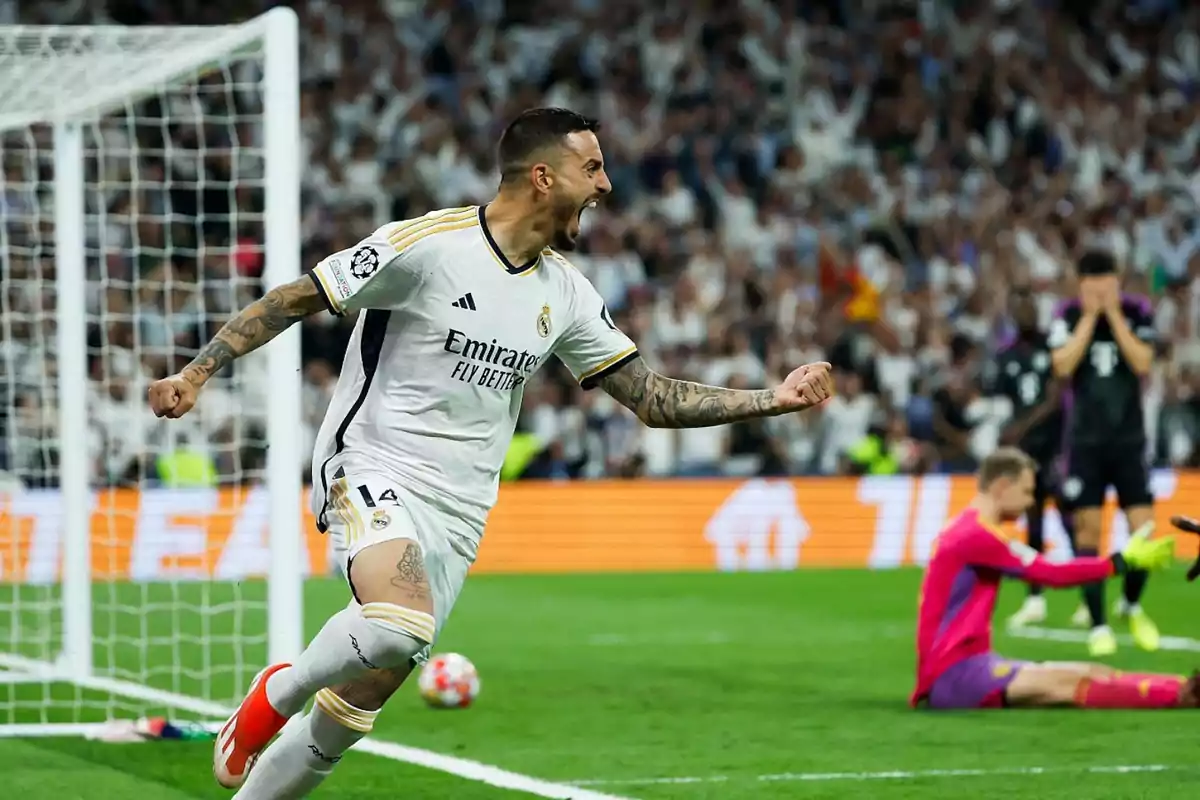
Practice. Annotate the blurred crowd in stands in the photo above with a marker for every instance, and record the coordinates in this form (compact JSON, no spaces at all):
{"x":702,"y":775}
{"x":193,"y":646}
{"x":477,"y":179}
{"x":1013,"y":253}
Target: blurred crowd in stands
{"x":862,"y":182}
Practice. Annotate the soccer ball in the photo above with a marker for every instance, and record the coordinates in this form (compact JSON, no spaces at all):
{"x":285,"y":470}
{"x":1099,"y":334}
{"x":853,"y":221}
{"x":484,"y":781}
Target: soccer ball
{"x":449,"y":680}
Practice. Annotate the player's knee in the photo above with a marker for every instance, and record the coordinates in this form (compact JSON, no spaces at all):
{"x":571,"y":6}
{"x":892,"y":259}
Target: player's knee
{"x":1139,"y":515}
{"x":1045,"y":688}
{"x":1087,"y":528}
{"x":399,"y":635}
{"x":1062,"y":690}
{"x":1100,"y":672}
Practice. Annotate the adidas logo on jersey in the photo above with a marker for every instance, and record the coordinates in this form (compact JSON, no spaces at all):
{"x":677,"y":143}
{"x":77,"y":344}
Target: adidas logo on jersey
{"x":466,"y":302}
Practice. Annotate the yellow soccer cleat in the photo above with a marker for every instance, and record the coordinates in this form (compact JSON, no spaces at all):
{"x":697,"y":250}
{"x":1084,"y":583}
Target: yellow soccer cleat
{"x":1143,"y":630}
{"x":1102,"y":642}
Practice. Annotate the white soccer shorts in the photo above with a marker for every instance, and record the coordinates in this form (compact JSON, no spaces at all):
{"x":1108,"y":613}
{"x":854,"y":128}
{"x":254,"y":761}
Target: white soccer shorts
{"x":364,"y":510}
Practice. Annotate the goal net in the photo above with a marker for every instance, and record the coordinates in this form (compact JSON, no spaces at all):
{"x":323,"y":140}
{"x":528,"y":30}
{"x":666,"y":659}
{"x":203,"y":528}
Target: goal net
{"x":148,"y":190}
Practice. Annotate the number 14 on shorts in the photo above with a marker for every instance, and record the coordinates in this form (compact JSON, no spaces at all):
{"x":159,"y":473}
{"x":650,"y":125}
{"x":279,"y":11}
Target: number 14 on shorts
{"x":388,"y":496}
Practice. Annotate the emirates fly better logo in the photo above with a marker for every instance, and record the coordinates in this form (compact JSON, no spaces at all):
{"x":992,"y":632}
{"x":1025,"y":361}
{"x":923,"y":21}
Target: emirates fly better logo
{"x":489,"y":364}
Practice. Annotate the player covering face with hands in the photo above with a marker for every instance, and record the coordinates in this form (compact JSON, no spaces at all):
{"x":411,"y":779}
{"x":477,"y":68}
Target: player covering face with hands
{"x":956,"y":667}
{"x":459,"y":308}
{"x":1102,"y":345}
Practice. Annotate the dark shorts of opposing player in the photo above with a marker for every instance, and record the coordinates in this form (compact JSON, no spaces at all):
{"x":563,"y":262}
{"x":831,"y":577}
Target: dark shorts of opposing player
{"x":1091,"y":469}
{"x":977,"y":682}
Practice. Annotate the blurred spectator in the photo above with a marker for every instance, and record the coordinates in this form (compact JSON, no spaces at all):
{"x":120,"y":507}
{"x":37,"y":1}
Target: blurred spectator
{"x":859,"y":182}
{"x":847,"y":417}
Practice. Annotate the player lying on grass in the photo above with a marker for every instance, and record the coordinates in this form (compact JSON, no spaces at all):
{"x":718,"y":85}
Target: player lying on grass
{"x":956,"y":667}
{"x":460,"y":308}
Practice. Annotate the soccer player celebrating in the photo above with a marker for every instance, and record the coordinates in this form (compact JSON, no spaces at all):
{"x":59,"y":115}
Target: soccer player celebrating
{"x":956,"y":667}
{"x":1103,"y":344}
{"x":1024,"y":374}
{"x":460,"y":307}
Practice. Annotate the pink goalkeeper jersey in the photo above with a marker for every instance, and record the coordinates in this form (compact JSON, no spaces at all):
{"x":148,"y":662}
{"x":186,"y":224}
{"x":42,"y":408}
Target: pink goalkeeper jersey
{"x":958,"y":594}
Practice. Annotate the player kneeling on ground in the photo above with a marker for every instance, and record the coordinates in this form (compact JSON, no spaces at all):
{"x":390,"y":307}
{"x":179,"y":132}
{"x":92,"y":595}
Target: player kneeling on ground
{"x":956,"y":667}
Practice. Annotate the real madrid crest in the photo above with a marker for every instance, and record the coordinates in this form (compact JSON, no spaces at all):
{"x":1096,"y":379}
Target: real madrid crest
{"x":543,"y":322}
{"x":380,"y":520}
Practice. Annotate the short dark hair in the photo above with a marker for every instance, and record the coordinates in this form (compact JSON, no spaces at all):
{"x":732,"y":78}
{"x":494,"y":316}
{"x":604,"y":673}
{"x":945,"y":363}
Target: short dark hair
{"x":1004,"y":462}
{"x":1095,"y":263}
{"x":533,"y":130}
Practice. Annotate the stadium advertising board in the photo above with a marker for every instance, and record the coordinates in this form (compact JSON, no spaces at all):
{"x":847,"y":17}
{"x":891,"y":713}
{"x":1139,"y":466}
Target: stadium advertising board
{"x":782,"y":524}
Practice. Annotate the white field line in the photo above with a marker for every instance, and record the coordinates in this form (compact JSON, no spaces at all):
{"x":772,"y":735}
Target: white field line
{"x":1177,"y":643}
{"x":894,"y":775}
{"x":459,"y":767}
{"x":481,"y":773}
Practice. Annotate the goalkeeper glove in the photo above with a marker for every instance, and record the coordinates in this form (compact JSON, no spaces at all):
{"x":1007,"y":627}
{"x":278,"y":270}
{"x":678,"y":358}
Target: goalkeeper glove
{"x":1145,"y":553}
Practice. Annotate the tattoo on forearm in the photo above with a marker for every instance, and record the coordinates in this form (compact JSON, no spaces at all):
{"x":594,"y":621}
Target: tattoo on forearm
{"x":257,"y":324}
{"x":663,"y":402}
{"x":410,"y":574}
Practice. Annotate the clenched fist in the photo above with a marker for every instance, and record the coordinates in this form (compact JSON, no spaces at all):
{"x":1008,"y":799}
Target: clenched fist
{"x":174,"y":396}
{"x":805,"y":387}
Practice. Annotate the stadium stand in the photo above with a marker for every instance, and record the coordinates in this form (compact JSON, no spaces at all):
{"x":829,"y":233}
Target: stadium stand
{"x":793,"y":180}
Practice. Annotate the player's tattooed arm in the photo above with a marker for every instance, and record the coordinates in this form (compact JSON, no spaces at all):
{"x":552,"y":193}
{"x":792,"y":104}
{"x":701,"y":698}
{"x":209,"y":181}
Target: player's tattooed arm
{"x":663,"y":402}
{"x":255,"y":325}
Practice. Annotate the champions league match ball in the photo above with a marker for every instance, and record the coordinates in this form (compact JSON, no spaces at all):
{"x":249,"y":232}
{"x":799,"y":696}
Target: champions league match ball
{"x":449,"y":680}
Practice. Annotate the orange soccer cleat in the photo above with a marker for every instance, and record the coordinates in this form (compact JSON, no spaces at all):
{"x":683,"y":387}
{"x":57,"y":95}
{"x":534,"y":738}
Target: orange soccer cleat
{"x":247,"y":733}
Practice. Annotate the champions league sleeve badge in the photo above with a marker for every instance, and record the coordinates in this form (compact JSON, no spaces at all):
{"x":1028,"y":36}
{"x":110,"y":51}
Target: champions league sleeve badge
{"x":364,"y":263}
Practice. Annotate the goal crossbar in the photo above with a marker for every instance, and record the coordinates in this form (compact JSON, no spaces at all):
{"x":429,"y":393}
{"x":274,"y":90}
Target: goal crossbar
{"x":130,"y":76}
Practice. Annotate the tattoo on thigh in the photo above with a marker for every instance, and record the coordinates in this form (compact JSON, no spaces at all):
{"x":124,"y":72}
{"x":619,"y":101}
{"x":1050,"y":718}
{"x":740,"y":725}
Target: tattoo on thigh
{"x":410,"y":573}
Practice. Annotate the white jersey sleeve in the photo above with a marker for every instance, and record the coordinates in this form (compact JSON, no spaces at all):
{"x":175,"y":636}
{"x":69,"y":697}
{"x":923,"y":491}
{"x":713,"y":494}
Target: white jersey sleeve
{"x":371,"y":274}
{"x":383,"y":270}
{"x":593,"y":346}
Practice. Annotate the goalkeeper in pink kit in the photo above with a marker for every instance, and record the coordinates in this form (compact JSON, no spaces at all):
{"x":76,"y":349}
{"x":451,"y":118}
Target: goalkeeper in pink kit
{"x":956,"y":666}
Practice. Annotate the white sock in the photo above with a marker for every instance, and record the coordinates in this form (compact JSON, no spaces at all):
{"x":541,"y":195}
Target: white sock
{"x":307,"y":751}
{"x":353,"y":642}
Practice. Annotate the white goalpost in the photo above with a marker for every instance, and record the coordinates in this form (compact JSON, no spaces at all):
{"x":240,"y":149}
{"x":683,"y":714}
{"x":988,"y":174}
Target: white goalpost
{"x":149,"y":187}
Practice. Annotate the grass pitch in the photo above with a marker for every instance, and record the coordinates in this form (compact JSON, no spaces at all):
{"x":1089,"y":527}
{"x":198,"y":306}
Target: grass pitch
{"x":774,"y":685}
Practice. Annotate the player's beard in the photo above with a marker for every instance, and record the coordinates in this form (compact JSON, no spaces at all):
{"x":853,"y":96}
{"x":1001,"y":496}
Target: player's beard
{"x":566,"y":225}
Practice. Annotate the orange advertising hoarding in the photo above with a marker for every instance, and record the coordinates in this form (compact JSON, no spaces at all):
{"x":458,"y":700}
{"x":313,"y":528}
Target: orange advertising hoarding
{"x":777,"y":524}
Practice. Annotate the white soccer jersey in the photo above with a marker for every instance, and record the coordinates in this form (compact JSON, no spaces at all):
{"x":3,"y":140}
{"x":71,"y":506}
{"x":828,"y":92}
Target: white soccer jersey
{"x":431,"y":385}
